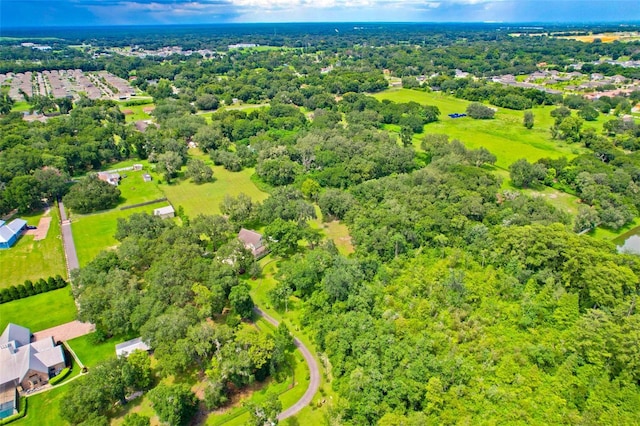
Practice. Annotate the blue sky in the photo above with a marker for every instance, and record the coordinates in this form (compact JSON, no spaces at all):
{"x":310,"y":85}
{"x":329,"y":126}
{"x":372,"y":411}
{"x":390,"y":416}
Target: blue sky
{"x":18,"y":13}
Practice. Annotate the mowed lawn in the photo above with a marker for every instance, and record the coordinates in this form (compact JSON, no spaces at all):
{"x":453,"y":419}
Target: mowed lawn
{"x":29,"y":259}
{"x":137,"y":110}
{"x":504,"y":136}
{"x":93,"y":233}
{"x":91,"y":353}
{"x":44,"y":408}
{"x":39,"y":312}
{"x":206,"y":198}
{"x":134,"y":190}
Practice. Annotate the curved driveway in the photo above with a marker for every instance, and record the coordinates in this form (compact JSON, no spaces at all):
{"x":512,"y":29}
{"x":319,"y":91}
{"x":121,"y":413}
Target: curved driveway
{"x":314,"y":372}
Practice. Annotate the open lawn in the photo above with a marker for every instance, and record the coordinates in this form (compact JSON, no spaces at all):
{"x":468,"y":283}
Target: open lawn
{"x":29,"y":259}
{"x":504,"y":136}
{"x":135,"y":190}
{"x":334,"y":230}
{"x":137,"y":110}
{"x":206,"y":198}
{"x":41,"y":311}
{"x":20,"y":106}
{"x":93,"y":233}
{"x":44,"y":408}
{"x":91,"y":353}
{"x":561,"y":200}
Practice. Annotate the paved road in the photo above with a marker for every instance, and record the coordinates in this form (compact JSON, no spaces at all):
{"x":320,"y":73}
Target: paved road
{"x":67,"y":241}
{"x":314,"y":377}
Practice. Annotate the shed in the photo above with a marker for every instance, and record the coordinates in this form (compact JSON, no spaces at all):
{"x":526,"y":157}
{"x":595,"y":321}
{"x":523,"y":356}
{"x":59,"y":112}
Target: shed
{"x":146,"y":177}
{"x":164,"y":212}
{"x":126,"y":348}
{"x":9,"y":233}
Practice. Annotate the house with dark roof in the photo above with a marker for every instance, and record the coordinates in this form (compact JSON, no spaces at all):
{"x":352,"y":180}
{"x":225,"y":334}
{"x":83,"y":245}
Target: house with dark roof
{"x":25,"y":365}
{"x":253,"y":241}
{"x":9,"y":233}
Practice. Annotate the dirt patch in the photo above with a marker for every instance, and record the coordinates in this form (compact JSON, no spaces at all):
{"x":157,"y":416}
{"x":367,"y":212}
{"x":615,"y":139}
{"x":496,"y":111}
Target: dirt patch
{"x":65,"y":332}
{"x":40,"y":233}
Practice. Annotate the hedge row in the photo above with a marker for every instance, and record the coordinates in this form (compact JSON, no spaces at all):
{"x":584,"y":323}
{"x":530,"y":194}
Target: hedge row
{"x":57,"y":379}
{"x":29,"y":288}
{"x":20,"y":414}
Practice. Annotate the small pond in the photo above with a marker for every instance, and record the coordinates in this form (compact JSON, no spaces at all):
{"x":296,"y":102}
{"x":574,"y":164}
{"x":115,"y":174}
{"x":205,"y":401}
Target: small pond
{"x":629,"y":242}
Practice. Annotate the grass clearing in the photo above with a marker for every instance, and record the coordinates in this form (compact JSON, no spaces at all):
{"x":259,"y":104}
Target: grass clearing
{"x":20,"y":106}
{"x":44,"y":408}
{"x":29,"y":259}
{"x":93,"y":233}
{"x":560,"y":200}
{"x":137,"y":112}
{"x":91,"y":353}
{"x":504,"y":136}
{"x":611,"y":234}
{"x":335,"y":231}
{"x":135,"y":190}
{"x":206,"y":198}
{"x":39,"y":312}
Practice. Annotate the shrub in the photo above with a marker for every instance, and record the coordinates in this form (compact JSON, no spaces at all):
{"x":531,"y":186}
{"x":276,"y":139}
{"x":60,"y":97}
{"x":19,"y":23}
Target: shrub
{"x":480,"y":112}
{"x":60,"y":377}
{"x":29,"y":289}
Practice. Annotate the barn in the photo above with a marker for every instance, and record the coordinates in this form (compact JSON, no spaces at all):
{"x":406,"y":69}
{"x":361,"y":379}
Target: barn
{"x":9,"y":233}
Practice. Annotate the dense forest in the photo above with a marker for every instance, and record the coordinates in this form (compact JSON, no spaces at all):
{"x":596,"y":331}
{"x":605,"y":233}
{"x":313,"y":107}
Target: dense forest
{"x":465,"y":300}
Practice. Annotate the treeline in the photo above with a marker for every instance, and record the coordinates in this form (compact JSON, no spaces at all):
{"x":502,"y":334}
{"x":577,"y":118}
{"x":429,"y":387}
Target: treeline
{"x":607,"y":179}
{"x":539,"y":319}
{"x":512,"y":324}
{"x":37,"y":160}
{"x":29,"y":288}
{"x":166,"y":283}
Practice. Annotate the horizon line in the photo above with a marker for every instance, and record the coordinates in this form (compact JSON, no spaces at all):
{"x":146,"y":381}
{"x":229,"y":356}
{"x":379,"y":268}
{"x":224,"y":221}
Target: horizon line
{"x":492,"y":23}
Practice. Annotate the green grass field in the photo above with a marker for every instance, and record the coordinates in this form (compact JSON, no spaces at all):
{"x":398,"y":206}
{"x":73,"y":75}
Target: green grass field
{"x":29,"y":259}
{"x":137,"y":110}
{"x":504,"y":136}
{"x":44,"y":408}
{"x":94,"y":232}
{"x":206,"y":198}
{"x":20,"y":106}
{"x":334,"y":230}
{"x":91,"y":353}
{"x":561,"y":200}
{"x":135,"y":190}
{"x":41,"y":311}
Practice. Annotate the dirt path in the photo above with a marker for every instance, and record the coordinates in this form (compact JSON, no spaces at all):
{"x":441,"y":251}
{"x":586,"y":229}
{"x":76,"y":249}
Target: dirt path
{"x":65,"y":332}
{"x":314,"y":372}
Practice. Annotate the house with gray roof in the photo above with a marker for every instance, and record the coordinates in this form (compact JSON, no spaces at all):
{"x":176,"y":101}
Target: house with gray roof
{"x":28,"y":364}
{"x":9,"y":233}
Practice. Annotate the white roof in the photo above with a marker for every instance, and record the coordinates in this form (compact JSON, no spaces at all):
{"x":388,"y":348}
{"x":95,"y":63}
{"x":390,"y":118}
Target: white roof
{"x":126,"y":348}
{"x":7,"y":231}
{"x":163,"y":210}
{"x":16,"y":360}
{"x":15,"y":333}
